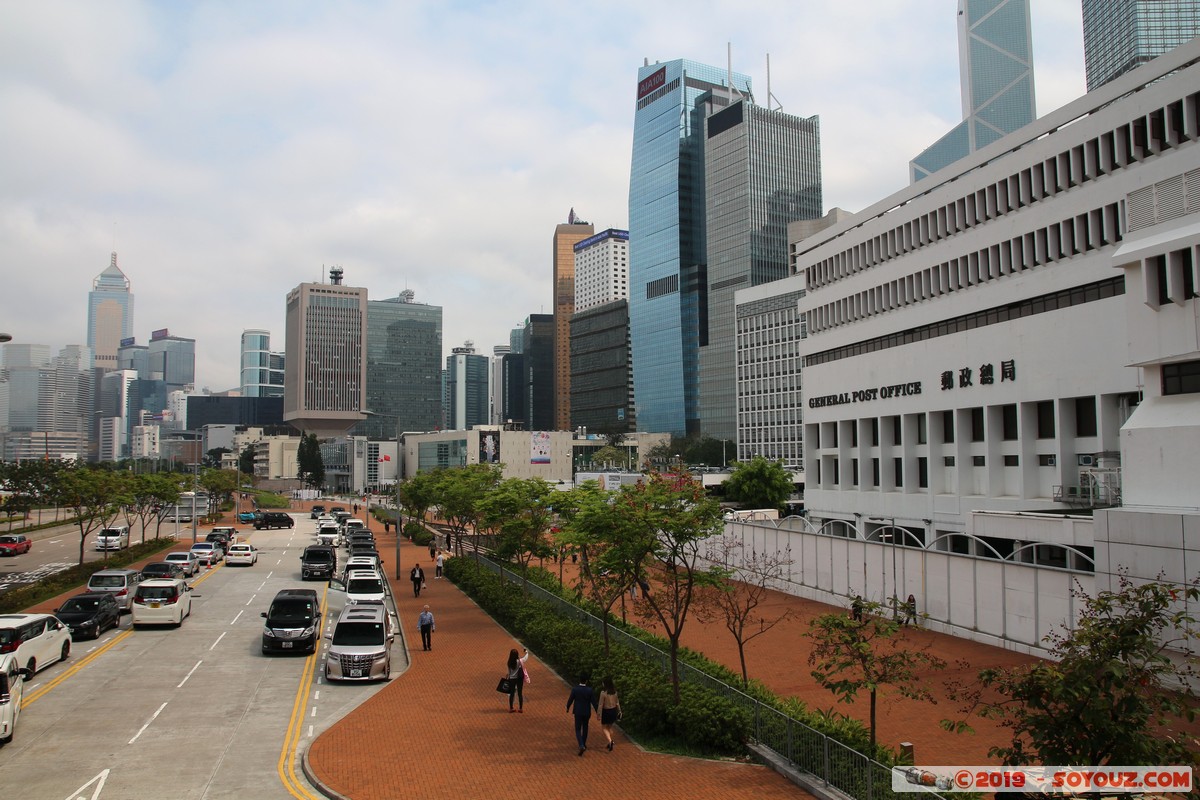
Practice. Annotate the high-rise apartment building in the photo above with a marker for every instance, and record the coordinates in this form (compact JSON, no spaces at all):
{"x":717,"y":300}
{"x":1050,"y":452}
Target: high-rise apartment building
{"x":1120,"y":35}
{"x":110,"y":315}
{"x":762,"y":171}
{"x":667,"y":270}
{"x":45,"y":403}
{"x":325,"y":375}
{"x":467,"y":392}
{"x":565,"y":239}
{"x":601,"y":365}
{"x":404,"y":367}
{"x":995,"y":51}
{"x":262,"y":370}
{"x":601,"y":269}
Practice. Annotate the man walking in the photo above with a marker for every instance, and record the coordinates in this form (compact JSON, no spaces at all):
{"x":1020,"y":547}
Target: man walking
{"x":417,"y":576}
{"x":425,"y":623}
{"x":584,"y":699}
{"x":441,"y":562}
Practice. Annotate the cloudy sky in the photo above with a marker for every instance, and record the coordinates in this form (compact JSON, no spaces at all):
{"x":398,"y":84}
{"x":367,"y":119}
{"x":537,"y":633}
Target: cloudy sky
{"x":231,"y":150}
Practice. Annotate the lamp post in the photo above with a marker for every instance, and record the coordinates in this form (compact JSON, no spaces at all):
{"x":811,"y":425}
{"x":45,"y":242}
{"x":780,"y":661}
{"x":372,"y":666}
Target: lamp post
{"x":891,"y":534}
{"x":723,"y":443}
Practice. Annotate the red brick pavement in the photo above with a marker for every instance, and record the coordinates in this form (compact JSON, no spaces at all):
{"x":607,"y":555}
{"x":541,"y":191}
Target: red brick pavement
{"x":441,"y":731}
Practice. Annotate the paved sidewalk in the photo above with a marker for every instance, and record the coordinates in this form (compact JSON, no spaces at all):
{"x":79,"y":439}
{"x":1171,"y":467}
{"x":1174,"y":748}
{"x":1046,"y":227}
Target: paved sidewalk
{"x":440,"y":730}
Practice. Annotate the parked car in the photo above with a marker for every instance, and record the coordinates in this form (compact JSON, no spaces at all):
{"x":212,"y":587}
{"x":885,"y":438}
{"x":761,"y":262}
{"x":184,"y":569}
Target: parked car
{"x":13,"y":544}
{"x":318,"y":561}
{"x":274,"y":519}
{"x":361,"y":586}
{"x":114,"y":538}
{"x":121,"y":582}
{"x":247,"y":517}
{"x":162,"y":569}
{"x":208,"y":553}
{"x":241,"y":554}
{"x":89,"y":614}
{"x":186,"y":560}
{"x":360,"y":646}
{"x":317,"y":511}
{"x":37,"y":640}
{"x":12,"y":689}
{"x":162,"y":602}
{"x":328,"y":534}
{"x":225,"y":534}
{"x":292,"y":621}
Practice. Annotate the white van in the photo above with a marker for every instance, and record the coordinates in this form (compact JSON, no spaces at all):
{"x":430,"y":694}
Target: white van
{"x":114,"y":538}
{"x":12,"y":688}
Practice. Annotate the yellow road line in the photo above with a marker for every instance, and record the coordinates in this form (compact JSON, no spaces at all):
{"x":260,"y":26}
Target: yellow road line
{"x":30,"y":699}
{"x":287,"y":756}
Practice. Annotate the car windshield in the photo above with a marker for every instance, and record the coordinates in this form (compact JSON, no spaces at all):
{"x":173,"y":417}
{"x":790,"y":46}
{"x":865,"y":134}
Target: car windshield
{"x":318,"y":555}
{"x":358,"y":633}
{"x":9,"y":539}
{"x":156,"y":592}
{"x":81,"y":604}
{"x":107,"y":581}
{"x":290,"y":609}
{"x":177,"y":556}
{"x":202,"y":546}
{"x":364,"y":586}
{"x":110,"y":532}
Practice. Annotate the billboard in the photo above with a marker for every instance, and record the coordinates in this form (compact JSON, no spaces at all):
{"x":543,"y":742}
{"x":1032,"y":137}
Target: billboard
{"x":489,"y":447}
{"x":539,"y":447}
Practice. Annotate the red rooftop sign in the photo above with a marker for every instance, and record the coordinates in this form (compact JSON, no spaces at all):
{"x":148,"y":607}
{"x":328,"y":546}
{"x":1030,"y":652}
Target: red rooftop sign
{"x":652,"y":82}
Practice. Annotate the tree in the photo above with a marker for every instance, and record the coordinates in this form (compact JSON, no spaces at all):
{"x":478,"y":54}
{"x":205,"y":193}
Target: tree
{"x":309,"y":461}
{"x":758,"y":483}
{"x":246,"y":460}
{"x":212,"y":458}
{"x":1112,"y":693}
{"x":852,"y":655}
{"x":740,"y":597}
{"x":220,"y":485}
{"x":520,"y":510}
{"x":459,"y":491}
{"x":419,"y":493}
{"x":89,"y":494}
{"x":609,"y":456}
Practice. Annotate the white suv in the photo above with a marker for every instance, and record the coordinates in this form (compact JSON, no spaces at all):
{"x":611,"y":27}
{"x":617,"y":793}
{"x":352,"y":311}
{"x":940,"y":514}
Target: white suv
{"x":361,"y":644}
{"x":36,"y":640}
{"x":163,"y":601}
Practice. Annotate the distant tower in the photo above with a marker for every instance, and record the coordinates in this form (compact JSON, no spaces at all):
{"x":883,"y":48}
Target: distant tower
{"x":995,"y":51}
{"x":467,"y":391}
{"x":404,"y":367}
{"x":1120,"y":35}
{"x":565,"y":239}
{"x":262,"y":370}
{"x":325,"y":369}
{"x":110,"y":315}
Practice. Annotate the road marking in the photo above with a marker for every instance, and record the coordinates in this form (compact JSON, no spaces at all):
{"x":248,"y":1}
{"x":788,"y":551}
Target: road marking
{"x":286,"y":766}
{"x":235,"y":619}
{"x":33,"y":697}
{"x":261,"y":585}
{"x":218,"y":641}
{"x":185,"y":677}
{"x":317,"y":695}
{"x":99,"y":780}
{"x":147,"y":725}
{"x":314,"y":712}
{"x":251,"y":600}
{"x":310,"y":730}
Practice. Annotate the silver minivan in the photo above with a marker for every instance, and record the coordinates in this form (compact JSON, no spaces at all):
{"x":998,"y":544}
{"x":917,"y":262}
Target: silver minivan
{"x":361,"y":644}
{"x":121,"y":582}
{"x":114,"y":538}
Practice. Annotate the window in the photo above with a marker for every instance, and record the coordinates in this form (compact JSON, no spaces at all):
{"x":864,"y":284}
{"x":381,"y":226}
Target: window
{"x":875,"y":471}
{"x":1085,"y":416}
{"x":976,"y":424}
{"x":1045,"y":419}
{"x":897,"y":431}
{"x":854,"y":472}
{"x":875,"y":434}
{"x":1012,"y":461}
{"x":898,"y":468}
{"x":923,"y":472}
{"x":922,"y":429}
{"x":1046,"y":460}
{"x":948,"y":426}
{"x":1181,"y":378}
{"x":1009,"y":417}
{"x":949,"y":461}
{"x":979,"y":461}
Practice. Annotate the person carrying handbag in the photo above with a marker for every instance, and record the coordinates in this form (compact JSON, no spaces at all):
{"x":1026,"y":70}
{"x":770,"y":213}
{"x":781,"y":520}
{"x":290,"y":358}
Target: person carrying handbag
{"x":517,"y":678}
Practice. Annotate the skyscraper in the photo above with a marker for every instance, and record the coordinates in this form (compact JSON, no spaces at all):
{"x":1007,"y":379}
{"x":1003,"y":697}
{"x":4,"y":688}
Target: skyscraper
{"x":601,"y":374}
{"x":325,"y":373}
{"x":762,"y":171}
{"x":172,"y":360}
{"x":262,"y":370}
{"x":110,"y":315}
{"x":565,"y":239}
{"x":467,"y":395}
{"x":995,"y":51}
{"x":404,"y":367}
{"x":45,"y":403}
{"x":1120,"y":35}
{"x":601,"y":269}
{"x":537,"y":349}
{"x":667,"y":238}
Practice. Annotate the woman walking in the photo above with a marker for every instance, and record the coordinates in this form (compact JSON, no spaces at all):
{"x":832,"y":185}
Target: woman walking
{"x":610,"y":709}
{"x":516,"y":680}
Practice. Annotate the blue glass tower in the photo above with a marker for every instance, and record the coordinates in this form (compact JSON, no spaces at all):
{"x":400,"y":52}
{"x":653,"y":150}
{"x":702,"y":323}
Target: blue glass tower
{"x":667,"y":259}
{"x":1120,"y":35}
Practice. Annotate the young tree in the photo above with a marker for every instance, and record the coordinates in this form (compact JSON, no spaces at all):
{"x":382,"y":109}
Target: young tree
{"x":220,"y":485}
{"x":246,"y":460}
{"x":758,"y":483}
{"x":851,"y":655}
{"x":1112,"y":694}
{"x":608,"y":456}
{"x":419,"y":493}
{"x":89,"y":494}
{"x":520,"y":510}
{"x":740,"y":597}
{"x":458,"y":493}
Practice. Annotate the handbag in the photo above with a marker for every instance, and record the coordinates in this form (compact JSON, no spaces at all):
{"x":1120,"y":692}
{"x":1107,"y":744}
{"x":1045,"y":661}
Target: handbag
{"x":505,"y":686}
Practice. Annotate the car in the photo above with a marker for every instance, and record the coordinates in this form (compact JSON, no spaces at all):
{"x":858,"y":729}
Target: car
{"x":89,"y":614}
{"x":360,"y":644}
{"x":369,"y":563}
{"x":186,"y":560}
{"x":361,"y":586}
{"x":247,"y":517}
{"x":13,"y":544}
{"x":12,"y":690}
{"x":166,"y":601}
{"x":228,"y":533}
{"x":114,"y":538}
{"x":37,"y":640}
{"x":121,"y":582}
{"x":328,"y":534}
{"x":317,"y":511}
{"x":241,"y":554}
{"x":337,"y":510}
{"x":208,"y":553}
{"x":292,"y":621}
{"x":274,"y":519}
{"x":162,"y":569}
{"x":318,"y":561}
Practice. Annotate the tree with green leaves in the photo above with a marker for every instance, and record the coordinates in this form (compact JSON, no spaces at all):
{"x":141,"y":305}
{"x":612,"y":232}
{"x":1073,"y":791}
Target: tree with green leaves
{"x":309,"y":462}
{"x":419,"y":493}
{"x":212,"y":459}
{"x":246,"y":460}
{"x":609,"y":456}
{"x":1118,"y":690}
{"x":521,"y":511}
{"x":92,"y":495}
{"x":758,"y":483}
{"x":854,"y":653}
{"x":220,"y":485}
{"x":459,"y":491}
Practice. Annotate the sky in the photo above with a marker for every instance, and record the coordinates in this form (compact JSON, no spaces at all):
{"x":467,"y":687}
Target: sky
{"x":229,"y":151}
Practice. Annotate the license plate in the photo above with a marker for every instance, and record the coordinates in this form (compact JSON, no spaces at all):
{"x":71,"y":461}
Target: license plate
{"x":356,"y":673}
{"x":156,"y":605}
{"x":286,"y":645}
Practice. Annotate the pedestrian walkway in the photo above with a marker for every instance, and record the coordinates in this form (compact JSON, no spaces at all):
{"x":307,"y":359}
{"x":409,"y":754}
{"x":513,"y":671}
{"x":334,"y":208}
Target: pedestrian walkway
{"x":441,"y":731}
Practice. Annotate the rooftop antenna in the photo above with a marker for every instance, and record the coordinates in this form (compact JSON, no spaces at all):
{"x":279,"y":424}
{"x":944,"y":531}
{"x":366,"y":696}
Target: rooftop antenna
{"x":770,"y":97}
{"x":733,"y":90}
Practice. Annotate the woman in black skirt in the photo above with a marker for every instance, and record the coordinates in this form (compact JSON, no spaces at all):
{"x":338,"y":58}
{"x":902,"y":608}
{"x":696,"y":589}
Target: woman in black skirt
{"x":610,"y":709}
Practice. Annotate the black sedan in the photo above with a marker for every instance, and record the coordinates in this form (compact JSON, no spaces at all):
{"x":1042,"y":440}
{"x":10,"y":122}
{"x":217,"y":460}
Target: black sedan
{"x":162,"y":569}
{"x":90,"y":614}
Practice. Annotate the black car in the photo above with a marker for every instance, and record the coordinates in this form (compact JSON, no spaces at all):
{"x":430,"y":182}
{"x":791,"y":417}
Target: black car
{"x":292,"y":622}
{"x":274,"y":519}
{"x":318,"y":561}
{"x":90,"y":614}
{"x":162,"y":569}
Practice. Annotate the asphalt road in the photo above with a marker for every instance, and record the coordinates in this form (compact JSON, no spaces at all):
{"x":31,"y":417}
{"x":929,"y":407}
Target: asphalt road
{"x":192,"y":712}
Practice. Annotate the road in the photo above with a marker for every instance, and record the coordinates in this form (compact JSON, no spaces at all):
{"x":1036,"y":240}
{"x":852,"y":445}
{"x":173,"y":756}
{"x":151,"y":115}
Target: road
{"x":193,"y":712}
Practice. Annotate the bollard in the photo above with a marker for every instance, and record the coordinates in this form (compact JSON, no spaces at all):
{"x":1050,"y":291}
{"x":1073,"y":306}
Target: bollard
{"x":906,"y":753}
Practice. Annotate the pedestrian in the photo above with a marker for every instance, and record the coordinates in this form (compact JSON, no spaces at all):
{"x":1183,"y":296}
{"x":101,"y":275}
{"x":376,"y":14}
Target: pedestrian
{"x":426,"y":624}
{"x":856,"y":608}
{"x":910,"y":610}
{"x":610,"y":709}
{"x":583,"y":698}
{"x":432,"y":550}
{"x":441,"y":562}
{"x":517,"y":678}
{"x":417,"y":576}
{"x":387,"y":526}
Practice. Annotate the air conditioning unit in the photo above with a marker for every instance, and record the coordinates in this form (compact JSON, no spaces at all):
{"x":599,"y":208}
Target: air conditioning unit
{"x":1087,"y":460}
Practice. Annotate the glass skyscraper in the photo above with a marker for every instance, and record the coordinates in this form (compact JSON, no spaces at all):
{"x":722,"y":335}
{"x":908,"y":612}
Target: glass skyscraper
{"x":110,"y":315}
{"x":995,"y":51}
{"x":262,"y":370}
{"x":1120,"y":35}
{"x":667,"y":255}
{"x":404,"y":367}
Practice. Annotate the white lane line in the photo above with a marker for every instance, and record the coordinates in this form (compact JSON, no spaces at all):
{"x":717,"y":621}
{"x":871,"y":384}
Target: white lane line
{"x":251,"y":600}
{"x":280,"y":561}
{"x":317,"y":695}
{"x":218,"y":641}
{"x":261,"y":585}
{"x":310,"y":731}
{"x":314,"y":712}
{"x":147,"y":725}
{"x":185,"y":677}
{"x":235,"y":619}
{"x":269,"y":574}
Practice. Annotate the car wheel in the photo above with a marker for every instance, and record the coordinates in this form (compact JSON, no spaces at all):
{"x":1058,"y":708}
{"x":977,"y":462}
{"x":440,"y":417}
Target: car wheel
{"x":66,"y":650}
{"x":32,"y":666}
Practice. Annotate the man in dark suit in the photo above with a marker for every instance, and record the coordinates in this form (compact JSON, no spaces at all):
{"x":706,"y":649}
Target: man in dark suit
{"x":584,"y":699}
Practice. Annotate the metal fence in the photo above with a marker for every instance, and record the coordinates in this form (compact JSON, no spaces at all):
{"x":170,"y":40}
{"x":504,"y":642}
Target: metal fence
{"x":802,"y":747}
